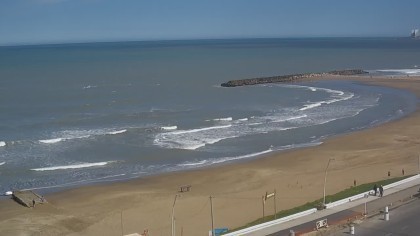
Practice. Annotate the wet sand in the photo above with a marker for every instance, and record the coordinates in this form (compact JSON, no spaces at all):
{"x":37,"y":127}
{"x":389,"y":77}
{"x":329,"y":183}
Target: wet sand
{"x":296,"y":175}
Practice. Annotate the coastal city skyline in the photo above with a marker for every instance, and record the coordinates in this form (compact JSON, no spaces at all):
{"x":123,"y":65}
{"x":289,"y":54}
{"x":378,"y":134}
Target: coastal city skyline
{"x":68,"y":21}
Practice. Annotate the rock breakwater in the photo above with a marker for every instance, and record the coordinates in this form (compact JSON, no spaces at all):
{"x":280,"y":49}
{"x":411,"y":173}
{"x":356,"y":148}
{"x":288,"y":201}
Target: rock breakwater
{"x":289,"y":78}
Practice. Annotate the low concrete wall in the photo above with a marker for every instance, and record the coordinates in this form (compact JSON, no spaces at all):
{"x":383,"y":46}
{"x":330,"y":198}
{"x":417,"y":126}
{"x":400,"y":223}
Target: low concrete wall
{"x":271,"y":223}
{"x":361,"y":195}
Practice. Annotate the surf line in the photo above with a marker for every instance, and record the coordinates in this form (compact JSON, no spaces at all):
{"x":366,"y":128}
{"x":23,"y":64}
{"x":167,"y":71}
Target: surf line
{"x":76,"y":166}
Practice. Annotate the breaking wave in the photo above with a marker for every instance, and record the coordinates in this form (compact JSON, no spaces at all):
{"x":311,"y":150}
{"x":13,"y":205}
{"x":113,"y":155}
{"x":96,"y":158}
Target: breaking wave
{"x":192,"y":139}
{"x":2,"y":163}
{"x":117,"y":131}
{"x":313,"y":113}
{"x":223,"y":119}
{"x":169,"y":127}
{"x":54,"y":140}
{"x":400,"y":71}
{"x":192,"y":164}
{"x":335,"y":94}
{"x":220,"y":160}
{"x":201,"y":129}
{"x":89,"y":86}
{"x":283,"y":119}
{"x":2,"y":143}
{"x":76,"y":166}
{"x":225,"y":159}
{"x":79,"y":134}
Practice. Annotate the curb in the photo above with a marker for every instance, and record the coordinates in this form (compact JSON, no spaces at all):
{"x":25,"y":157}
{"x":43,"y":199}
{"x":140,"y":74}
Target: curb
{"x":351,"y":220}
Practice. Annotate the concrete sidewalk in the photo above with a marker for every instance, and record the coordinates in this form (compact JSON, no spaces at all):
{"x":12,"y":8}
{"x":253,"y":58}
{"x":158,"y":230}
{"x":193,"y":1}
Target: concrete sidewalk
{"x":350,"y":210}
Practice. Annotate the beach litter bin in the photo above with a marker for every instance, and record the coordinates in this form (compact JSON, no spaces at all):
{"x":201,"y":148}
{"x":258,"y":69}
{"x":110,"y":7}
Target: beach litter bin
{"x":218,"y":231}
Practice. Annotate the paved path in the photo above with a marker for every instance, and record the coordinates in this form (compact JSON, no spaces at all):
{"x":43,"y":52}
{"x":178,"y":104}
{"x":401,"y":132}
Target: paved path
{"x":403,"y":220}
{"x":351,"y":210}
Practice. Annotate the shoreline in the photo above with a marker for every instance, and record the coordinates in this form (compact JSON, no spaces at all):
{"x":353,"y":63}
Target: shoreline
{"x":146,"y":201}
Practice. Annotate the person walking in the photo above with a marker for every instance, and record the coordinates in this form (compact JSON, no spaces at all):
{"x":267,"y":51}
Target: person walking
{"x":375,"y":189}
{"x":381,"y":190}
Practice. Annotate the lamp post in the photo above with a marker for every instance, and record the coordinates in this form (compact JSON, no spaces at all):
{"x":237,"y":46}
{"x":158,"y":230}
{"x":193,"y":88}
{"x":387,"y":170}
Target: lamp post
{"x":325,"y":179}
{"x":173,"y":216}
{"x":366,"y":197}
{"x":122,"y":228}
{"x":419,"y":165}
{"x":212,"y":217}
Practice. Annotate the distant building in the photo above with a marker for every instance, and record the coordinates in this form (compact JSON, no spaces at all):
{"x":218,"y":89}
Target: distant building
{"x":415,"y":33}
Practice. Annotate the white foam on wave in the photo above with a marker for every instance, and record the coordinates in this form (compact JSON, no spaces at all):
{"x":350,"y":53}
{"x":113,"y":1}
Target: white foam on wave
{"x":174,"y":127}
{"x":290,"y":118}
{"x":198,"y":144}
{"x":191,"y":164}
{"x":200,"y":137}
{"x":117,"y":131}
{"x":201,"y":129}
{"x":2,"y":143}
{"x":225,"y":159}
{"x":301,"y":145}
{"x":2,"y":163}
{"x":335,"y":94}
{"x":256,"y":123}
{"x":228,"y":159}
{"x":54,"y":140}
{"x":273,"y":121}
{"x":192,"y":139}
{"x":57,"y":140}
{"x":401,"y":71}
{"x":80,"y":134}
{"x":76,"y":166}
{"x":223,"y":119}
{"x":310,"y":106}
{"x":89,"y":86}
{"x":313,"y":89}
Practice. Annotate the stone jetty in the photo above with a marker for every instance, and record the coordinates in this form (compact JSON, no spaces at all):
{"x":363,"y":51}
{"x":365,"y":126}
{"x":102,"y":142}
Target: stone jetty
{"x":289,"y":78}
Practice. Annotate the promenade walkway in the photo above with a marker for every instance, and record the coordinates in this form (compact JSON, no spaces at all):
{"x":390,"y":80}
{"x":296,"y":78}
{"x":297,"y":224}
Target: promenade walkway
{"x":345,"y":212}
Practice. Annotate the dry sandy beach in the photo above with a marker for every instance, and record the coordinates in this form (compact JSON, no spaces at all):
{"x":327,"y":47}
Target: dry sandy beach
{"x":297,"y":176}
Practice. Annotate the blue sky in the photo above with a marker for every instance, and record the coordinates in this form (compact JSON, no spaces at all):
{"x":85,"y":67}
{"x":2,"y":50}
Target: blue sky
{"x":55,"y":21}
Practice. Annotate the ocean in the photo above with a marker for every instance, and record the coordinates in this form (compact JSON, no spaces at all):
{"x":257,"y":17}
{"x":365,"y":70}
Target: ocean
{"x":76,"y":114}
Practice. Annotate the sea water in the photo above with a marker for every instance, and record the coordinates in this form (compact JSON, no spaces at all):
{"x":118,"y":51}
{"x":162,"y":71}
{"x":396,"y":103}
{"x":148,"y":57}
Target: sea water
{"x":76,"y":114}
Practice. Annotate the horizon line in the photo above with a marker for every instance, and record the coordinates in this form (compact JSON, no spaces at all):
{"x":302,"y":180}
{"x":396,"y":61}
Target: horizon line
{"x":24,"y":44}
